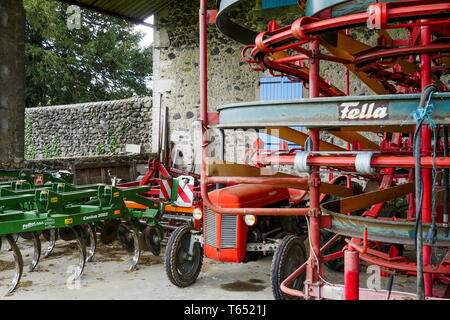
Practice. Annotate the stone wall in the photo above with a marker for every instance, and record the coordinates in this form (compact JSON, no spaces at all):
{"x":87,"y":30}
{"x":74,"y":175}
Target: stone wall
{"x":12,"y":80}
{"x":176,"y":76}
{"x":230,"y":80}
{"x":89,"y":129}
{"x":176,"y":73}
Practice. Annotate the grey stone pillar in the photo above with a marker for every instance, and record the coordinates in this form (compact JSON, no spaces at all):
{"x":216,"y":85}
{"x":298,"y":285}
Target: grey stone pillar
{"x":12,"y":81}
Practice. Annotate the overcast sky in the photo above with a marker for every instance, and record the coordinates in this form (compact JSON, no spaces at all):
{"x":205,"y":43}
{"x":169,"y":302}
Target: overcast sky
{"x":148,"y":39}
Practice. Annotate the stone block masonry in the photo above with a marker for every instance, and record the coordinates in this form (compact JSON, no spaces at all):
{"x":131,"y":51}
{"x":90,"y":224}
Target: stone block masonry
{"x":230,"y":80}
{"x":88,"y":129}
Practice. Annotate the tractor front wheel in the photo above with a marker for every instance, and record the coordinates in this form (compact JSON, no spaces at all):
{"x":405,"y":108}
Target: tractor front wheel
{"x":289,"y":256}
{"x":182,"y":268}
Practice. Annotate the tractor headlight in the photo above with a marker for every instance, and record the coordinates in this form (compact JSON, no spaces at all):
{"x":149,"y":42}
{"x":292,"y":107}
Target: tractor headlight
{"x":197,"y":213}
{"x":250,"y":220}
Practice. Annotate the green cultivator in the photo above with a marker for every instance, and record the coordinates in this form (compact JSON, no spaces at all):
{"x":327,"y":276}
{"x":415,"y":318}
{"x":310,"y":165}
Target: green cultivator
{"x":49,"y":204}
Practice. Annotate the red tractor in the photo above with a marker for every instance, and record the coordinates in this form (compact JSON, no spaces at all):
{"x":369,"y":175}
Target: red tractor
{"x":243,"y":238}
{"x":240,"y":238}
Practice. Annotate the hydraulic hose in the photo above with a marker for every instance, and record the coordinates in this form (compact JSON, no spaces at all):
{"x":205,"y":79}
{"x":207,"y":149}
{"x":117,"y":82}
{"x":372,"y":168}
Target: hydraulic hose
{"x":417,"y":143}
{"x":418,"y":226}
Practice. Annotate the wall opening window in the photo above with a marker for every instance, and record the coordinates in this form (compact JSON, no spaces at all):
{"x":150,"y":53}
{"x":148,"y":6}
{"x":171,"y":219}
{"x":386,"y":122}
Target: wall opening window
{"x":279,"y":88}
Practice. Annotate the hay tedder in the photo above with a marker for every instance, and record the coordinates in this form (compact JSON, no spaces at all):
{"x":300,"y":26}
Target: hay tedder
{"x":388,"y":177}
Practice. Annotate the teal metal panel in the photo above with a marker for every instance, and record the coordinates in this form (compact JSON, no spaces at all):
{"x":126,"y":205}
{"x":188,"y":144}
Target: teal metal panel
{"x":266,"y":4}
{"x":340,"y":7}
{"x":316,"y":6}
{"x":327,"y":112}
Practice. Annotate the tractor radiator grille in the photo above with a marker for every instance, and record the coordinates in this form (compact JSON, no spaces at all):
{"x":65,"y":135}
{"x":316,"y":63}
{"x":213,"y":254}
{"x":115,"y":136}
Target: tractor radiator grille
{"x":210,"y":227}
{"x":228,"y":234}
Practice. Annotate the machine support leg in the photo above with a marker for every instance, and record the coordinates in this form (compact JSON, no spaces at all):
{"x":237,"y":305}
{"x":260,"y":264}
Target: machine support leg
{"x":351,"y":274}
{"x":314,"y":180}
{"x":426,"y":147}
{"x":314,"y":216}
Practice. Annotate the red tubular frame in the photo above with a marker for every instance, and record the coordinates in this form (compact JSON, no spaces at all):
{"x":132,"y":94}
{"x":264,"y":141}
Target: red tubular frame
{"x":300,"y":30}
{"x":204,"y":115}
{"x":378,"y":161}
{"x":426,"y":147}
{"x":313,"y":269}
{"x":304,"y":30}
{"x":351,"y":274}
{"x":257,"y":180}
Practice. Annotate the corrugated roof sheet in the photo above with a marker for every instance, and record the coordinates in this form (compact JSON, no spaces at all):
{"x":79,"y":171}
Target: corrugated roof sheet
{"x":135,"y":11}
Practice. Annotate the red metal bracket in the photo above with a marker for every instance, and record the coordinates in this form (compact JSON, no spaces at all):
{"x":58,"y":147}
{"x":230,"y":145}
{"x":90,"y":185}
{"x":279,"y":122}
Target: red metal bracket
{"x":212,"y":15}
{"x":213,"y":118}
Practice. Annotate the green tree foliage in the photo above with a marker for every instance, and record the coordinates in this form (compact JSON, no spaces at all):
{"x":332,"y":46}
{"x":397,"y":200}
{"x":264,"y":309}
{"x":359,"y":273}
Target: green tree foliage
{"x":100,"y":61}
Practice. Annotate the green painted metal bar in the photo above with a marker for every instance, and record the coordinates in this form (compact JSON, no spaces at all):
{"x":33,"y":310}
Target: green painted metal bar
{"x":29,"y":176}
{"x":15,"y":200}
{"x":53,"y":209}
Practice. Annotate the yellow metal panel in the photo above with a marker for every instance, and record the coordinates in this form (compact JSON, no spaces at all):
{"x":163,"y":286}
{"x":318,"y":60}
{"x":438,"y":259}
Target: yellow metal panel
{"x":351,"y":137}
{"x":299,"y":138}
{"x":366,"y":200}
{"x":218,"y":168}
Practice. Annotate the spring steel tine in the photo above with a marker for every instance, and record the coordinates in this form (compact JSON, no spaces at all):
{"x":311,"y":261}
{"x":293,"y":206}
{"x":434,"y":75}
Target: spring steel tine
{"x":137,"y":249}
{"x":82,"y":252}
{"x":51,"y":244}
{"x":15,"y":237}
{"x":92,"y":242}
{"x":18,"y":263}
{"x":37,"y":251}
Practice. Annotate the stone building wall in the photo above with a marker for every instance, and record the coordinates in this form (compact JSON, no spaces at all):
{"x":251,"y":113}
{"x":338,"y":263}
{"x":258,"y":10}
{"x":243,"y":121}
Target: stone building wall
{"x":12,"y":81}
{"x":88,"y":129}
{"x":176,"y":73}
{"x":230,"y":80}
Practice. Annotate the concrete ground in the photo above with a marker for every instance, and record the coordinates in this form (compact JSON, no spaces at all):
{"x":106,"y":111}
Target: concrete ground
{"x":107,"y":278}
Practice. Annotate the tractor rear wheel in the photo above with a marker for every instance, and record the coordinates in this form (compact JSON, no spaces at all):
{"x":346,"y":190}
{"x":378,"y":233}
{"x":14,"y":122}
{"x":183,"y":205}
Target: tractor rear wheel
{"x":181,"y":268}
{"x":288,"y":257}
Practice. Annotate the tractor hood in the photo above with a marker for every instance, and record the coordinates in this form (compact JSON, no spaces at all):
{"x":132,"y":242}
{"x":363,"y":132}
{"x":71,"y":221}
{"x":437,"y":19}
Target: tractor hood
{"x":248,"y":196}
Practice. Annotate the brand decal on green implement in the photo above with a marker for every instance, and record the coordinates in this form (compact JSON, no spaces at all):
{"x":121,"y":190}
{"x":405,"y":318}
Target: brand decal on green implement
{"x":95,"y":216}
{"x":32,"y":224}
{"x":39,"y":180}
{"x":49,"y":223}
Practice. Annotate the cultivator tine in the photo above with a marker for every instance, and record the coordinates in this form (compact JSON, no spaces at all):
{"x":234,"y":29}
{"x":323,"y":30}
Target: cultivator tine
{"x":18,"y":263}
{"x":82,"y":252}
{"x":92,"y":242}
{"x":137,"y":248}
{"x":51,"y":243}
{"x":37,"y":250}
{"x":14,"y":237}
